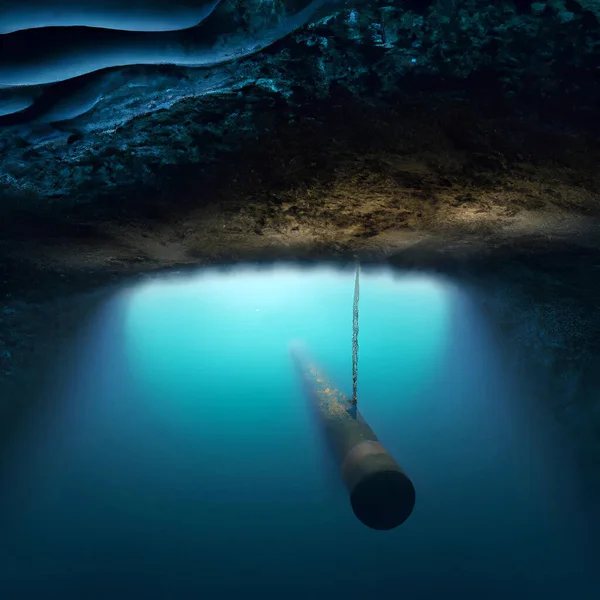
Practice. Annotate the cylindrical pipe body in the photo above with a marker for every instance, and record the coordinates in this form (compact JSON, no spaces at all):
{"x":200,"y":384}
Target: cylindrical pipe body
{"x":381,"y":494}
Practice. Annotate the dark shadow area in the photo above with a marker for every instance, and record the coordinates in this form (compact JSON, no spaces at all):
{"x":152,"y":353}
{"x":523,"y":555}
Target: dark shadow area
{"x":47,"y":331}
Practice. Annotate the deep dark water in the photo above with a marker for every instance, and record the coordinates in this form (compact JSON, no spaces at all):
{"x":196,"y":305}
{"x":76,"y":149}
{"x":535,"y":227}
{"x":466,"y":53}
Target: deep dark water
{"x":174,"y":455}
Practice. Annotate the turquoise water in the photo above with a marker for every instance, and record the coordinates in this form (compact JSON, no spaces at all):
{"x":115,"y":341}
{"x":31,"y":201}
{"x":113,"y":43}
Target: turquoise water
{"x":176,"y":456}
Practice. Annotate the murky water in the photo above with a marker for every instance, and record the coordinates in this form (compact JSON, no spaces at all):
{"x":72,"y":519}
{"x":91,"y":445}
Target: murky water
{"x":176,"y":457}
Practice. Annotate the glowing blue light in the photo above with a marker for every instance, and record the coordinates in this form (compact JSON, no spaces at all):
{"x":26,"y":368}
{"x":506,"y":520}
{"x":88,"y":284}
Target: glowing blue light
{"x":241,"y":322}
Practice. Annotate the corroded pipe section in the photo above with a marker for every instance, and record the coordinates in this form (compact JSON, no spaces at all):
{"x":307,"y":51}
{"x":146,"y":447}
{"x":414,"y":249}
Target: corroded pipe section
{"x":381,"y":494}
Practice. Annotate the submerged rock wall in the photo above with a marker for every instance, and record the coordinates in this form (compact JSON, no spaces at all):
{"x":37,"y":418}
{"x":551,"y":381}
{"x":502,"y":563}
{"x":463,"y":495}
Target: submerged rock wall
{"x":544,"y":54}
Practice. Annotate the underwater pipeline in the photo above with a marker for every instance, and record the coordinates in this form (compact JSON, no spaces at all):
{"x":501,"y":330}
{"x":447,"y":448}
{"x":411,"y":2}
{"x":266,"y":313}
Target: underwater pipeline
{"x":381,"y":494}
